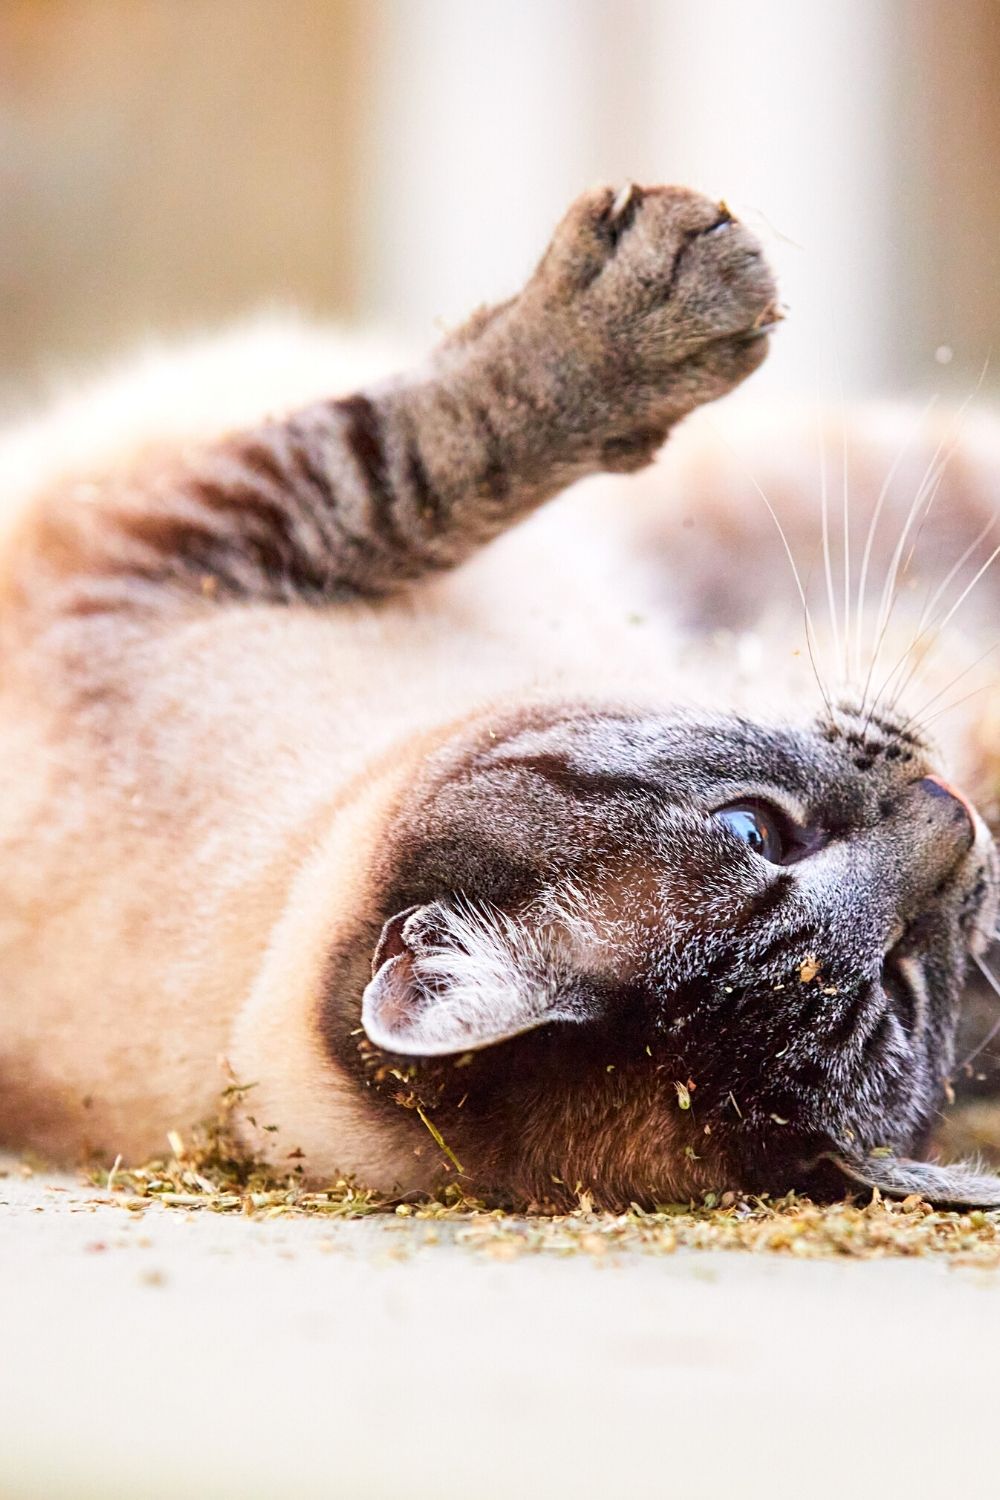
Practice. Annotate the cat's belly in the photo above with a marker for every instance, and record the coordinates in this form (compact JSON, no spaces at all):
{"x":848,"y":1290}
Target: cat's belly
{"x":125,"y":941}
{"x":150,"y":824}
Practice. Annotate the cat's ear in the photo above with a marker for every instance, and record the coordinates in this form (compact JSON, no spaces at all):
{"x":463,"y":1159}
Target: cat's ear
{"x":957,"y":1186}
{"x":448,"y":980}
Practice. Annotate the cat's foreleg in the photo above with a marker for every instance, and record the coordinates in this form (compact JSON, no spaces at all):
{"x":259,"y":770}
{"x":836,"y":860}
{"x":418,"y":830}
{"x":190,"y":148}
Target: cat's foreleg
{"x":647,"y":303}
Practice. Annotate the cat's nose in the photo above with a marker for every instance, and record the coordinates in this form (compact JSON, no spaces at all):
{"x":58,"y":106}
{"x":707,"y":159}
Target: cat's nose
{"x":934,"y":829}
{"x":953,"y":805}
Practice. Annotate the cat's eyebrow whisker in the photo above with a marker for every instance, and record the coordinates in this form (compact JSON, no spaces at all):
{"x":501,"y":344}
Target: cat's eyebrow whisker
{"x":845,"y":525}
{"x":807,"y":620}
{"x":995,"y":1028}
{"x":827,"y":560}
{"x":810,"y":634}
{"x":847,"y":552}
{"x":873,"y":528}
{"x":812,"y":646}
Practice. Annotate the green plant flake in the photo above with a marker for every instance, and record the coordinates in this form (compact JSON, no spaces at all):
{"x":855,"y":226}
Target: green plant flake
{"x":449,"y":1153}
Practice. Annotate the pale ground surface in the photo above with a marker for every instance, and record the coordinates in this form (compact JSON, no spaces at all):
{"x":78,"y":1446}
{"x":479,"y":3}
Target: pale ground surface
{"x":210,"y":1356}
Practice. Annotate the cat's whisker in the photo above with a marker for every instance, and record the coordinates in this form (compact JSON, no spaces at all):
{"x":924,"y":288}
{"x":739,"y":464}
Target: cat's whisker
{"x":969,"y":587}
{"x":922,"y":723}
{"x":916,"y":717}
{"x":925,"y":624}
{"x":882,"y":627}
{"x":931,"y":481}
{"x":890,"y":592}
{"x":953,"y":438}
{"x":936,"y":480}
{"x":889,"y":585}
{"x":872,"y":530}
{"x":994,"y":985}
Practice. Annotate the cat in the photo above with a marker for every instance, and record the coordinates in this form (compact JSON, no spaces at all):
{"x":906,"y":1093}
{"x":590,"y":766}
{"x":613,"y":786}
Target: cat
{"x":306,"y":785}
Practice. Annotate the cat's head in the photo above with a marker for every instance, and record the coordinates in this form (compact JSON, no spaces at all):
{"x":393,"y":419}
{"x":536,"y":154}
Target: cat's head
{"x":649,"y":954}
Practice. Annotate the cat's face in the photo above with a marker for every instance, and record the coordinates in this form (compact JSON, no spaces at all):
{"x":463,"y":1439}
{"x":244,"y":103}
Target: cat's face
{"x":645,"y":955}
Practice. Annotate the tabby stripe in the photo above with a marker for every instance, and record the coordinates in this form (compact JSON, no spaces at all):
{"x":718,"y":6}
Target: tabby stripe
{"x":791,"y":946}
{"x":305,"y":477}
{"x":586,"y":784}
{"x":401,"y":534}
{"x":362,"y":430}
{"x":495,"y":479}
{"x":766,"y":902}
{"x":427,"y":502}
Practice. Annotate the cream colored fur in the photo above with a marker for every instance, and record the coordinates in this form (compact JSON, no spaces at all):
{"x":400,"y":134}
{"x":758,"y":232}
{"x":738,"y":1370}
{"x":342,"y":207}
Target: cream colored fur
{"x":169,"y":893}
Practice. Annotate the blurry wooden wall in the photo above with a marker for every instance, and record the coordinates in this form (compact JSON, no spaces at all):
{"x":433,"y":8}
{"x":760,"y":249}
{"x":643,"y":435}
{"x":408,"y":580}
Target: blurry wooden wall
{"x":948,"y":108}
{"x":169,"y":164}
{"x":165,"y":162}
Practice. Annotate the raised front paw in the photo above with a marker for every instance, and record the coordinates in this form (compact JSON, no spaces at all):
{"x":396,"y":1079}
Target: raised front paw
{"x":663,"y":262}
{"x":660,"y":298}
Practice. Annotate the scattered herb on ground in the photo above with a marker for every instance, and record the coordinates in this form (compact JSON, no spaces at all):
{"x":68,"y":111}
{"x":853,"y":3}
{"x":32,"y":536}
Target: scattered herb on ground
{"x":208,"y":1174}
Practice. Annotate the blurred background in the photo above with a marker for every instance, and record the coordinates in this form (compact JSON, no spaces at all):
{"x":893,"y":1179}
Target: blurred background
{"x":168,"y":165}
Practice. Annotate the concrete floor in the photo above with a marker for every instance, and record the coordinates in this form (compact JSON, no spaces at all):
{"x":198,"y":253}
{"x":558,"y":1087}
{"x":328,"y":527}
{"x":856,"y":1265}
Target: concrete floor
{"x":172,"y":1356}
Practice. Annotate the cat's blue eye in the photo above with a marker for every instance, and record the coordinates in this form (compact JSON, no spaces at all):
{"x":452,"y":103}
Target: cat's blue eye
{"x":756,"y":826}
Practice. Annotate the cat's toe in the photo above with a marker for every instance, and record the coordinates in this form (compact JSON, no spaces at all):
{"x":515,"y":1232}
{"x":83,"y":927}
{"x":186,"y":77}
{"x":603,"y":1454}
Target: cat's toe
{"x":586,"y":239}
{"x":597,"y":225}
{"x":649,"y":246}
{"x":662,"y":275}
{"x":687,"y":273}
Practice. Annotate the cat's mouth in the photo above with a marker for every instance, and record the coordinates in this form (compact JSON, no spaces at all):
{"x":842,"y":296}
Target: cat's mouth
{"x":904,"y":978}
{"x":904,"y":987}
